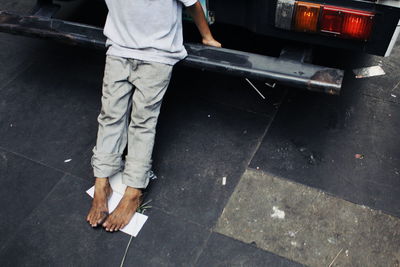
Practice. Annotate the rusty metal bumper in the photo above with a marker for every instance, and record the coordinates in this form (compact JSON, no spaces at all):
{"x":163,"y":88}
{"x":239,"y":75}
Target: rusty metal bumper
{"x":283,"y":70}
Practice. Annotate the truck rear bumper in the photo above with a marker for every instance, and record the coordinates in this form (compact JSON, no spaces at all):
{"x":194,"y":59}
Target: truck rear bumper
{"x":283,"y":70}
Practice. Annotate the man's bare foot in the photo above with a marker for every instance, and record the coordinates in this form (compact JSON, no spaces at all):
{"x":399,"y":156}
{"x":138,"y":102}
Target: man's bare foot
{"x":124,"y":211}
{"x":99,"y":210}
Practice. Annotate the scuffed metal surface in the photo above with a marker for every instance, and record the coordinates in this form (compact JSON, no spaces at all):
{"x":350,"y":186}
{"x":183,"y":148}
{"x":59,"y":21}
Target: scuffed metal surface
{"x":284,"y":14}
{"x":282,"y":70}
{"x":42,"y":27}
{"x":332,"y":76}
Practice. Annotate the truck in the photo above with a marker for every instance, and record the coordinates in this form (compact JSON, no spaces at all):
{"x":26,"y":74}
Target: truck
{"x":369,"y":26}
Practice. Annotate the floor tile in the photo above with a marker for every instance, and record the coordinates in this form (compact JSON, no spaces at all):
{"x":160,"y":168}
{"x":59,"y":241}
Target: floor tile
{"x":198,"y":144}
{"x":385,"y":87}
{"x":225,"y":251}
{"x":228,"y":90}
{"x":166,"y":240}
{"x":308,"y":226}
{"x":344,"y":145}
{"x":22,"y":7}
{"x":50,"y":115}
{"x":16,"y":56}
{"x":23,"y":185}
{"x":57,"y":234}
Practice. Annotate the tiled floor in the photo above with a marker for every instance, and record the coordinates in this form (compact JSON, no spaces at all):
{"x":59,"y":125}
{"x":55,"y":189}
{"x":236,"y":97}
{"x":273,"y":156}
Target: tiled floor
{"x":49,"y":113}
{"x":211,"y":126}
{"x":344,"y":145}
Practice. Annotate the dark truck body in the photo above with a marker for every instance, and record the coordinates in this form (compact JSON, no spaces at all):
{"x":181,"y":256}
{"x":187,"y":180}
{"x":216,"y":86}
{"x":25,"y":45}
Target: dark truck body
{"x":258,"y":16}
{"x":291,"y":68}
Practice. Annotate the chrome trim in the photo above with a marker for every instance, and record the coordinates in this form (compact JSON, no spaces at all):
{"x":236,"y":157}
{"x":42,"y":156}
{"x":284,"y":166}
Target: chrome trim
{"x":284,"y":14}
{"x":394,"y":40}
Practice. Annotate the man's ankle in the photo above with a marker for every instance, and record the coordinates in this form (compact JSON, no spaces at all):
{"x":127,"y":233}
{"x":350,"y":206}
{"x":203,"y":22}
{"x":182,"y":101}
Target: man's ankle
{"x":101,"y":181}
{"x":133,"y":192}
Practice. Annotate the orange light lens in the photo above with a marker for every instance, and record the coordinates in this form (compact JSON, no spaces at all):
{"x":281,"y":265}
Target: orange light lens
{"x":306,"y":17}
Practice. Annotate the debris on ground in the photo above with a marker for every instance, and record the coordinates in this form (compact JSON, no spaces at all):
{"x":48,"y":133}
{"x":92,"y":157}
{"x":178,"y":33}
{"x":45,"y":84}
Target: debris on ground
{"x":277,"y":213}
{"x":272,"y":85}
{"x":330,"y":265}
{"x":368,"y":72}
{"x":359,"y":156}
{"x":255,"y":88}
{"x":224,"y":180}
{"x":67,"y":160}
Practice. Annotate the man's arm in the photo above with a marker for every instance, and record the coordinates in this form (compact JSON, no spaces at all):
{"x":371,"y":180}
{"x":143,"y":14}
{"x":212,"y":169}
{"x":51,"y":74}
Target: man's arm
{"x":197,"y":13}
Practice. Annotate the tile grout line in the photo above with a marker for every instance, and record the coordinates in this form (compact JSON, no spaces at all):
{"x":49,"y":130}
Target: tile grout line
{"x":255,"y":247}
{"x":184,"y":219}
{"x":42,"y":164}
{"x":28,"y":65}
{"x":172,"y":215}
{"x":380,"y":99}
{"x":253,"y":154}
{"x":266,"y":130}
{"x":234,"y":107}
{"x":33,"y":210}
{"x":324,"y":192}
{"x":203,"y":247}
{"x":208,"y":101}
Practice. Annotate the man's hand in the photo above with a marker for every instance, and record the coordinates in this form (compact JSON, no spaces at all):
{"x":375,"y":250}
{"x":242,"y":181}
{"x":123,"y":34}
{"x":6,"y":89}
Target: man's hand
{"x":211,"y":42}
{"x":197,"y":13}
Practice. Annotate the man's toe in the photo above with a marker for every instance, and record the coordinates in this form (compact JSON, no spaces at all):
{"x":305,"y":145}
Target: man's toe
{"x":106,"y":223}
{"x":102,"y":218}
{"x":91,"y":220}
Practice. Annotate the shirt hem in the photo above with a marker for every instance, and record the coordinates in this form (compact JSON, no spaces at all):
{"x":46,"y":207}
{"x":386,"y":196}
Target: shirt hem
{"x":135,"y":54}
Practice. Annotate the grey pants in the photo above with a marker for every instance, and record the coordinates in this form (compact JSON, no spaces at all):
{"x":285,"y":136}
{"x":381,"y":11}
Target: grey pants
{"x":140,"y":86}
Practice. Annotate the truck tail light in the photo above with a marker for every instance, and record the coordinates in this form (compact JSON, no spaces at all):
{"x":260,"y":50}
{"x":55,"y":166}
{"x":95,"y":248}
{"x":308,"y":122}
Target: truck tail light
{"x":306,"y":17}
{"x":347,"y":22}
{"x":319,"y":18}
{"x":331,"y":21}
{"x":358,"y":26}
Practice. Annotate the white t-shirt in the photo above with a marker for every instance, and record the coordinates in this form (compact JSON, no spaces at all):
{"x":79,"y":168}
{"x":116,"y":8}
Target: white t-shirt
{"x":148,"y":30}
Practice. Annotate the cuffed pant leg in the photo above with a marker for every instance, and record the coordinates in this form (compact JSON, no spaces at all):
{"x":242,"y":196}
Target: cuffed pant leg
{"x":151,"y":81}
{"x":113,"y":119}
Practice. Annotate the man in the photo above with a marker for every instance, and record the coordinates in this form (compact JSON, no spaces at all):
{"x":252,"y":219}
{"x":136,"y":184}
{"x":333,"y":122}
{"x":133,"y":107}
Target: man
{"x":144,"y":39}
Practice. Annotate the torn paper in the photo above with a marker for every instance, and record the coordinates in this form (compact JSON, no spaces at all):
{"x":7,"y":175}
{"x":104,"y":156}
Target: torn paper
{"x":137,"y":221}
{"x":118,"y":186}
{"x":368,"y":72}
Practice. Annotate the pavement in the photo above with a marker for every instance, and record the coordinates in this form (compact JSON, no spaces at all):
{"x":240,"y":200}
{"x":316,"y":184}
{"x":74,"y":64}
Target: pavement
{"x":311,"y":179}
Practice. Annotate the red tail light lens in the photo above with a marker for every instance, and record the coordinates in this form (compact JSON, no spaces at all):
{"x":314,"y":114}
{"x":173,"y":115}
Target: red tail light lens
{"x":348,"y":23}
{"x":331,"y":21}
{"x":357,"y":25}
{"x":303,"y":16}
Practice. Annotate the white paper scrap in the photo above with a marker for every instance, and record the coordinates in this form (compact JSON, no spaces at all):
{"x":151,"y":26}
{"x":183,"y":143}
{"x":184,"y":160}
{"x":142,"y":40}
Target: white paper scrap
{"x":116,"y":183}
{"x":224,"y":180}
{"x":138,"y":220}
{"x":368,"y":72}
